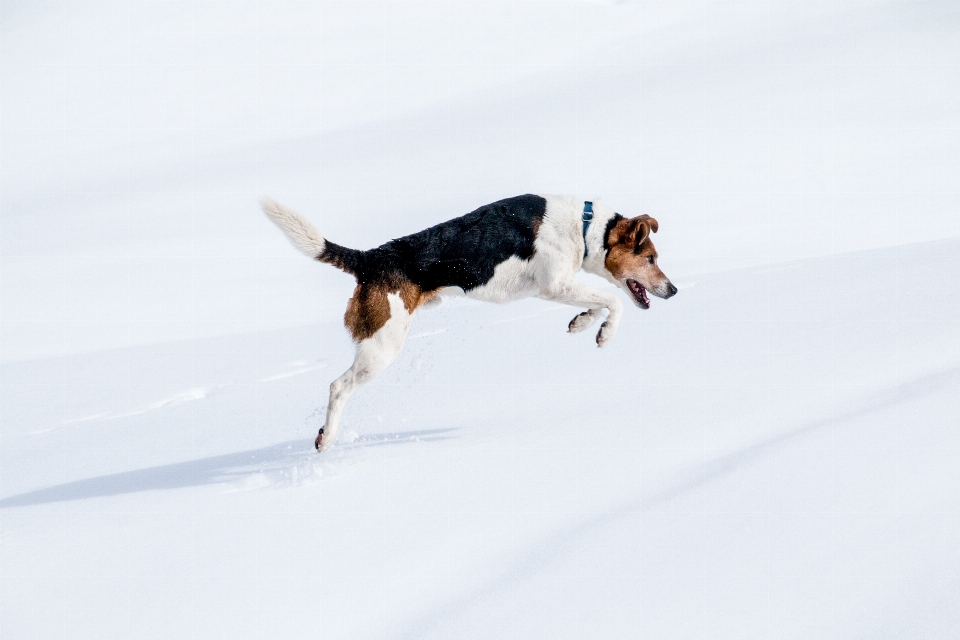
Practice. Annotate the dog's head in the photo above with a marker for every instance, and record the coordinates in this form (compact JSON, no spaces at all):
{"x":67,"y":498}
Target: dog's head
{"x":632,"y":259}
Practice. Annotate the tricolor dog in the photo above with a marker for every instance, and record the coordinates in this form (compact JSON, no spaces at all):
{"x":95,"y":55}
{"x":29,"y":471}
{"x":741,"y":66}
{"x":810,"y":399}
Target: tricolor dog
{"x":515,"y":248}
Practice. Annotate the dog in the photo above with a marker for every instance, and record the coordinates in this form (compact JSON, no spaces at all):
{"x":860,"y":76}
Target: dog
{"x":525,"y":246}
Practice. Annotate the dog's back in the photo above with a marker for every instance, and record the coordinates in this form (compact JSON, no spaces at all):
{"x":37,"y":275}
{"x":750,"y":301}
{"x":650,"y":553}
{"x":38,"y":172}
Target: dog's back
{"x":462,"y":252}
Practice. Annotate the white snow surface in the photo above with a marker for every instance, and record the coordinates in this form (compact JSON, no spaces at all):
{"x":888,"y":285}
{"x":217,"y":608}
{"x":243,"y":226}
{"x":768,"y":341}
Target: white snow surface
{"x":770,"y":454}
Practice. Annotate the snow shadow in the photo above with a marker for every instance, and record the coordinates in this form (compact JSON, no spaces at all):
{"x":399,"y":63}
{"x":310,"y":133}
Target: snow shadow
{"x":229,"y":467}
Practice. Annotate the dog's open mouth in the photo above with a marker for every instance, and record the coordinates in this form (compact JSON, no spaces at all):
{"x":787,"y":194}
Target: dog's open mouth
{"x":639,"y":293}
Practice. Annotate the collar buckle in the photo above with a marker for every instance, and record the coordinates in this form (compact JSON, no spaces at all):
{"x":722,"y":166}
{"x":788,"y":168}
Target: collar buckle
{"x":587,"y":218}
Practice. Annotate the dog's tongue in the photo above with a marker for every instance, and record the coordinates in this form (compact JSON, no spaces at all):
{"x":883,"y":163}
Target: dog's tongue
{"x":639,"y":289}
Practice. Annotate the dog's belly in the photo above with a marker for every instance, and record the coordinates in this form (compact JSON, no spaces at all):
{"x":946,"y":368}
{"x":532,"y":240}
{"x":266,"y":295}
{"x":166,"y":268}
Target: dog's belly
{"x":512,"y":280}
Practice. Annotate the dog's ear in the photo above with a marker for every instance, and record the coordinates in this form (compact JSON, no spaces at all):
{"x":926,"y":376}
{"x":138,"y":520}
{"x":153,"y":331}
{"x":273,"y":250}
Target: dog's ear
{"x":634,"y":231}
{"x":645,"y":225}
{"x":651,"y":222}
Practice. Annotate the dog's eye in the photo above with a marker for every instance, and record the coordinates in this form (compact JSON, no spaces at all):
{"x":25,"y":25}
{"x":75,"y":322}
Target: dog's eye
{"x":650,"y":259}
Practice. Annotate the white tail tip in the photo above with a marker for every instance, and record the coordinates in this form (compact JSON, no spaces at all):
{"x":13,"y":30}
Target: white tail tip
{"x":301,"y":233}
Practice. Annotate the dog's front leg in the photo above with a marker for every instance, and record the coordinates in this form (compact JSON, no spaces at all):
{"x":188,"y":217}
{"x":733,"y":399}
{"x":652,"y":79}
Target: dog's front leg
{"x":578,"y":294}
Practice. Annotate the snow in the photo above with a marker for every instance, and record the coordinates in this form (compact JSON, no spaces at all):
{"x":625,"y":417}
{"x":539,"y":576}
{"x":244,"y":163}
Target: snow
{"x":771,"y":453}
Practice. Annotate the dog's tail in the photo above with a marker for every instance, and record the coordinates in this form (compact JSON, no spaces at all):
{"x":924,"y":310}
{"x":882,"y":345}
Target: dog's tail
{"x":307,"y":239}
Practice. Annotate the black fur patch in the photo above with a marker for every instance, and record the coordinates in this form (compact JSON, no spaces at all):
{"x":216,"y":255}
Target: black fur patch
{"x":611,"y":223}
{"x":462,"y":252}
{"x":341,"y":257}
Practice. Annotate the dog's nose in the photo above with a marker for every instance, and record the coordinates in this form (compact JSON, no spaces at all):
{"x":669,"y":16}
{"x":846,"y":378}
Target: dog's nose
{"x":672,"y":289}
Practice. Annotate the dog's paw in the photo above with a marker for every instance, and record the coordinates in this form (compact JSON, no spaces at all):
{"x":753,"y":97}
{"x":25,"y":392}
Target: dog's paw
{"x":605,"y":334}
{"x":320,"y":444}
{"x":582,"y":321}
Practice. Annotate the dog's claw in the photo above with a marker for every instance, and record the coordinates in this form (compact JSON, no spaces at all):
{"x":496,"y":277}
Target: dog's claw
{"x":574,"y":321}
{"x":319,"y":441}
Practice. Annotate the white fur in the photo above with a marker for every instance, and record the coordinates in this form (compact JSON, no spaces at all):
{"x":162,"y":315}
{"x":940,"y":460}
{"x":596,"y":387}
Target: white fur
{"x":301,"y":233}
{"x":512,"y":279}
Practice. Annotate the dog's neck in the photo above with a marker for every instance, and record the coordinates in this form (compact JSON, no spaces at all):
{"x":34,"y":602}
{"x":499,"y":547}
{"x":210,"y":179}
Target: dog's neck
{"x":595,"y":260}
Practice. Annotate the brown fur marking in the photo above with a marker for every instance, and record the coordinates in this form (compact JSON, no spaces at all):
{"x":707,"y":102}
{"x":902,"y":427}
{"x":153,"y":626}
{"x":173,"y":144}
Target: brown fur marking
{"x":367,"y":311}
{"x":369,"y":308}
{"x":410,"y":294}
{"x":427,"y":296}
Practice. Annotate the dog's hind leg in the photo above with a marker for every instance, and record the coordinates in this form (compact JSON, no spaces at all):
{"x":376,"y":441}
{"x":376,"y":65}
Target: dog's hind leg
{"x":374,"y":354}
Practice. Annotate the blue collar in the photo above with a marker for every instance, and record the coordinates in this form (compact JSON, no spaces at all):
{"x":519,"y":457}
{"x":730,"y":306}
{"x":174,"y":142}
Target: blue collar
{"x":587,"y":217}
